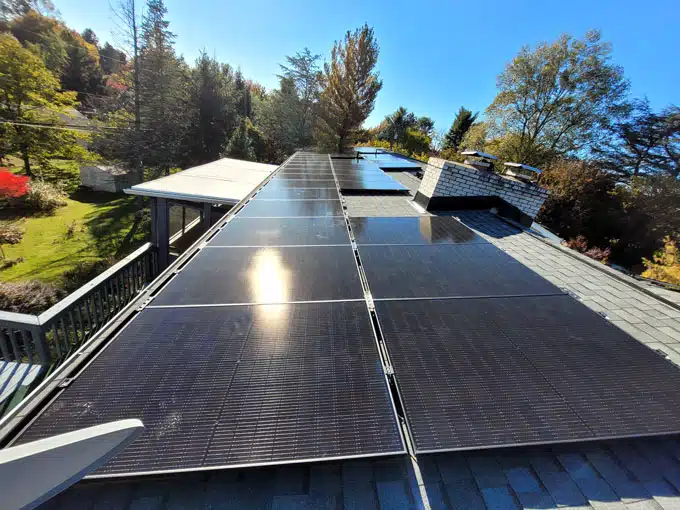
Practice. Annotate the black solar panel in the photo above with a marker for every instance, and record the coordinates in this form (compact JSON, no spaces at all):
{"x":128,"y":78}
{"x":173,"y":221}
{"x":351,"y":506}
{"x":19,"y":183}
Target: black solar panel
{"x":453,"y":270}
{"x":379,"y":184}
{"x":482,"y":372}
{"x":290,"y":208}
{"x":227,"y":386}
{"x":282,"y":231}
{"x":265,"y":275}
{"x":414,"y":230}
{"x":277,"y":193}
{"x":288,"y":184}
{"x":299,"y":173}
{"x":305,"y":181}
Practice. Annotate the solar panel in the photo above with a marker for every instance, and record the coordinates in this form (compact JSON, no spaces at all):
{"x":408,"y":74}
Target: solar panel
{"x":295,"y":173}
{"x":286,"y":184}
{"x":415,"y":230}
{"x":288,"y":208}
{"x":483,"y":372}
{"x":379,"y":184}
{"x":453,"y":270}
{"x":235,"y":386}
{"x":265,"y":275}
{"x":276,"y":193}
{"x":391,"y":162}
{"x":282,"y":231}
{"x":305,"y":181}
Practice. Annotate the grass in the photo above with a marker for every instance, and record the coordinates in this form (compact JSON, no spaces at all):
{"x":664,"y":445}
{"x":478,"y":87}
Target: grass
{"x":89,"y":228}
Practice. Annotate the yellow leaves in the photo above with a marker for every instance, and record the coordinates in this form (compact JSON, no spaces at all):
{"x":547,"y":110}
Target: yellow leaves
{"x":665,"y":265}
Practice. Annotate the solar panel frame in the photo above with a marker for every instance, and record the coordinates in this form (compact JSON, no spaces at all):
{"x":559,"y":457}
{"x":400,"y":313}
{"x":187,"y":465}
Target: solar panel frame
{"x":274,"y":193}
{"x":329,"y":230}
{"x":291,"y":208}
{"x":441,"y":348}
{"x":258,"y":275}
{"x":448,"y":270}
{"x":423,"y":230}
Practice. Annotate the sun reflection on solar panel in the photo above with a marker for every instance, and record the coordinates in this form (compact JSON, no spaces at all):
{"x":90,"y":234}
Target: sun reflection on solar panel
{"x":270,"y":279}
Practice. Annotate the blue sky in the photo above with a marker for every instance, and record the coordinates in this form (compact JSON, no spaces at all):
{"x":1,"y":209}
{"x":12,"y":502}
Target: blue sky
{"x":435,"y":55}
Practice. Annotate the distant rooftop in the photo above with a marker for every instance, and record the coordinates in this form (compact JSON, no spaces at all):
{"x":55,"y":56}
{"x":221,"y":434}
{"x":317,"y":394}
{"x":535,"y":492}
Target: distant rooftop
{"x":225,"y":181}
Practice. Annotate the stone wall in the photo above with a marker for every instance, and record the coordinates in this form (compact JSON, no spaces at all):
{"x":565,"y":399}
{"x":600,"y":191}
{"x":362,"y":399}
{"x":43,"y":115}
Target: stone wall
{"x":448,"y":179}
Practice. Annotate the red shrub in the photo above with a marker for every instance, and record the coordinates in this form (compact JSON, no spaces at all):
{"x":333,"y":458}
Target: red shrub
{"x":12,"y":185}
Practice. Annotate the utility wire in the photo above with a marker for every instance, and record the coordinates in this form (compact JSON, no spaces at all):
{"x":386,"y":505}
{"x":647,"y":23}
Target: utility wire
{"x":67,"y":127}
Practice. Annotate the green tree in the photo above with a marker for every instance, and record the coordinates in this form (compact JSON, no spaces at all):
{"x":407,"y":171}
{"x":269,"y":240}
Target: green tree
{"x":81,"y":71}
{"x":415,"y":141}
{"x":461,"y":124}
{"x":349,"y":86}
{"x":279,"y":121}
{"x":240,"y":145}
{"x":557,"y":97}
{"x":112,"y":59}
{"x":304,"y":74}
{"x":12,"y":8}
{"x":43,"y":36}
{"x":30,"y":96}
{"x":163,"y":91}
{"x":643,"y":143}
{"x":396,"y":124}
{"x":211,"y":109}
{"x":425,"y":125}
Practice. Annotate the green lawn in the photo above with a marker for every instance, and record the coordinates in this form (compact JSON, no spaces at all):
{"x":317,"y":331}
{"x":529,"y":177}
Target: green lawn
{"x":90,"y":227}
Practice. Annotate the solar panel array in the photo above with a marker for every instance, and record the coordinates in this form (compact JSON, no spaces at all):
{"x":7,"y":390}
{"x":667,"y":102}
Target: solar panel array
{"x":262,"y":349}
{"x":486,"y":353}
{"x":358,"y":175}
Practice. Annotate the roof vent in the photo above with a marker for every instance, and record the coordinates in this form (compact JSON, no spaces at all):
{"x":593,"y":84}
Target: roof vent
{"x":522,"y":172}
{"x":479,"y":160}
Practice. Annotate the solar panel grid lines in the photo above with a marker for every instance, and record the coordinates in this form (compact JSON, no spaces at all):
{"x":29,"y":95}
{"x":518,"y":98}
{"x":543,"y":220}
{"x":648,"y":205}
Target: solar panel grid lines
{"x":283,"y":232}
{"x":244,"y":385}
{"x":481,"y":373}
{"x":412,"y":230}
{"x":286,"y":208}
{"x":448,"y":270}
{"x":265,"y":275}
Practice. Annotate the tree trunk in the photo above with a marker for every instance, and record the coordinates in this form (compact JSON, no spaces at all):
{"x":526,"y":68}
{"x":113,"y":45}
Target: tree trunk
{"x":138,"y":118}
{"x":341,"y":143}
{"x":27,"y":161}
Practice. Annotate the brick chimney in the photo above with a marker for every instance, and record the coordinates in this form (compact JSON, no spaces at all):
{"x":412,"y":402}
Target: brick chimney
{"x":449,"y":186}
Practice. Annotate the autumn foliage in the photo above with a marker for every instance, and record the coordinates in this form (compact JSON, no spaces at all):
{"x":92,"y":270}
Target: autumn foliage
{"x":11,"y":185}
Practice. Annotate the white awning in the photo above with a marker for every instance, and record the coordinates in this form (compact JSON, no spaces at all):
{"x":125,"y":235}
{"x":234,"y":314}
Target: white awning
{"x":225,"y":181}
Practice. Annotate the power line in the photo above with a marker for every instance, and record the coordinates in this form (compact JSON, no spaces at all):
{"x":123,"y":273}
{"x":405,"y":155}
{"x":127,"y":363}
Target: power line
{"x":67,"y":127}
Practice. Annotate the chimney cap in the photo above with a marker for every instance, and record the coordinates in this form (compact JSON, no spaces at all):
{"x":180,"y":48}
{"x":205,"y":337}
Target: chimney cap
{"x":479,"y":154}
{"x":524,"y":167}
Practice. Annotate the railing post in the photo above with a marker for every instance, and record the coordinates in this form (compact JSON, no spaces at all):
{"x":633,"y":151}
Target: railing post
{"x":40,"y":342}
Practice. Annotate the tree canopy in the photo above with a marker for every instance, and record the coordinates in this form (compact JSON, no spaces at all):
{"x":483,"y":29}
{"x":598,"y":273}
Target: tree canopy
{"x":31,"y":96}
{"x":350,"y":85}
{"x":461,"y":124}
{"x":558,"y":97}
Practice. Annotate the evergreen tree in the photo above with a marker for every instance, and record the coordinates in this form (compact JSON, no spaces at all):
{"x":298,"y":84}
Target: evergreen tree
{"x":463,"y":121}
{"x":240,"y":145}
{"x":303,"y":73}
{"x":212,"y":110}
{"x":112,"y":59}
{"x":163,"y":86}
{"x":350,"y":86}
{"x":396,"y":126}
